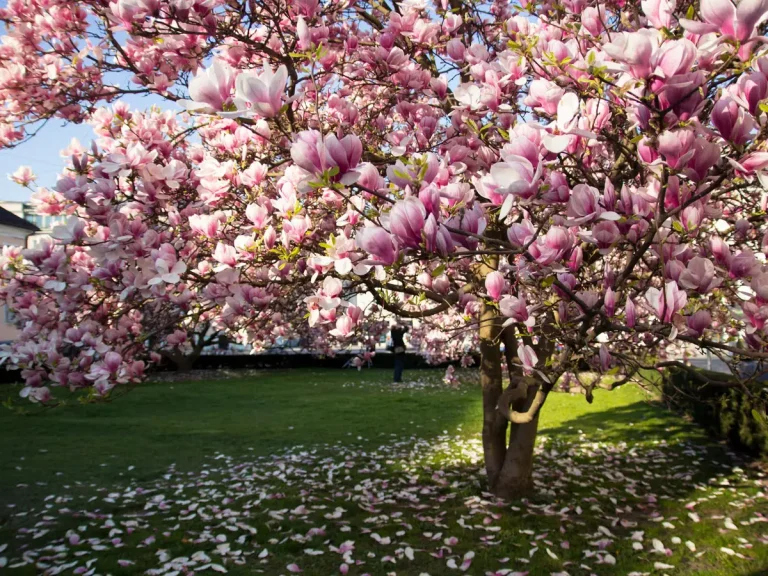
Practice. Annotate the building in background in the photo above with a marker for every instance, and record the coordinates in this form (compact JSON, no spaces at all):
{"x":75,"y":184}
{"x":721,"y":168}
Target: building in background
{"x":26,"y":211}
{"x":14,"y":231}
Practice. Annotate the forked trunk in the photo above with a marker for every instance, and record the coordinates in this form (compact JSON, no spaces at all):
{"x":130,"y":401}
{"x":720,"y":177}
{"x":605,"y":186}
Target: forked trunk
{"x":509,"y":465}
{"x":516,"y":476}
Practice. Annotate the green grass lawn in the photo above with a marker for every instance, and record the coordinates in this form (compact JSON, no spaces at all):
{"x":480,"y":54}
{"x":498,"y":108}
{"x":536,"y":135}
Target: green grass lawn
{"x":279,"y":469}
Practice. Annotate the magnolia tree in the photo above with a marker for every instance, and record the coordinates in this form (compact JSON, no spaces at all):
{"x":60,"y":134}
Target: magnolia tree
{"x":576,"y":182}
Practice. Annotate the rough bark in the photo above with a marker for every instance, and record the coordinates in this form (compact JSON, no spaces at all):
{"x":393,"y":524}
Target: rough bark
{"x":508,"y":463}
{"x":494,"y":424}
{"x":184,"y":362}
{"x":516,"y":476}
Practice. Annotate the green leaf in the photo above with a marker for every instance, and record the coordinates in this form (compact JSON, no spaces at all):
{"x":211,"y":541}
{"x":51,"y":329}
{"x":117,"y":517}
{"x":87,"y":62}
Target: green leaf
{"x":437,"y":271}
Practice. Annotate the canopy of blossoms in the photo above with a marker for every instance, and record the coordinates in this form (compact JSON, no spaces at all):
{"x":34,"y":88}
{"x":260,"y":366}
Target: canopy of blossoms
{"x":581,"y":180}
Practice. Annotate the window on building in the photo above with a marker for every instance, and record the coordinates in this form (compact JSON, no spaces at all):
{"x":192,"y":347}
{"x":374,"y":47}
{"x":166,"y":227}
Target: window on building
{"x":10,"y":317}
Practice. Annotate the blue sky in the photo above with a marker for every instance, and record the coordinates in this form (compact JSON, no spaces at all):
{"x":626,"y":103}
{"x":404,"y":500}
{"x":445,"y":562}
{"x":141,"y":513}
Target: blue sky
{"x":42,"y":153}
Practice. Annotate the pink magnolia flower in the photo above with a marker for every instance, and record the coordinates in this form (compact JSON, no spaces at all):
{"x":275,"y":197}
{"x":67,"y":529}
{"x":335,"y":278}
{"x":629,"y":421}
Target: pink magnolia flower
{"x":345,"y":327}
{"x":634,"y":49}
{"x":720,"y":250}
{"x":516,"y":175}
{"x":584,"y":204}
{"x":270,"y":237}
{"x":751,"y":89}
{"x":698,"y":322}
{"x":732,"y":121}
{"x":754,"y":162}
{"x":72,"y":231}
{"x":699,"y":275}
{"x":519,"y":234}
{"x":760,"y":286}
{"x":605,"y":358}
{"x":674,"y":57}
{"x":127,"y":11}
{"x":591,"y":21}
{"x":262,"y":93}
{"x":609,"y":303}
{"x":23,"y":175}
{"x":705,"y":155}
{"x":378,"y":243}
{"x":469,"y":95}
{"x":36,"y":394}
{"x":295,"y":230}
{"x":576,"y":259}
{"x":303,"y":34}
{"x":206,"y":224}
{"x":681,"y":93}
{"x":344,"y":153}
{"x":309,"y":153}
{"x":495,"y":284}
{"x":552,"y":247}
{"x":630,"y":313}
{"x":528,"y":357}
{"x":606,"y":234}
{"x":211,"y":88}
{"x":675,"y":146}
{"x":722,"y":16}
{"x":544,"y":95}
{"x":225,"y":254}
{"x":257,"y":214}
{"x":516,"y":309}
{"x":666,"y":303}
{"x":742,"y":264}
{"x":757,"y":316}
{"x":436,"y":237}
{"x":168,"y":272}
{"x":455,"y":49}
{"x":254,"y":175}
{"x":112,"y":361}
{"x":692,"y":216}
{"x":369,"y":177}
{"x":406,"y":221}
{"x":659,"y":12}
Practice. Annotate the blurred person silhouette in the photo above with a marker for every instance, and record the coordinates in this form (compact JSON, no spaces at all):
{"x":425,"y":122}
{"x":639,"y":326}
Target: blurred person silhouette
{"x":397,"y":332}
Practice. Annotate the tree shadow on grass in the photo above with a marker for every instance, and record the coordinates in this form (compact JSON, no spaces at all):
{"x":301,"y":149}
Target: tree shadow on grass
{"x":426,"y":493}
{"x":632,"y":422}
{"x":665,"y":477}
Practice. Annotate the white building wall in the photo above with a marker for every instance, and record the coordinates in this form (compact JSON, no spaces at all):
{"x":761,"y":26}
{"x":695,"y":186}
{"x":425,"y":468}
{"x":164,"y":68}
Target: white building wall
{"x":10,"y":236}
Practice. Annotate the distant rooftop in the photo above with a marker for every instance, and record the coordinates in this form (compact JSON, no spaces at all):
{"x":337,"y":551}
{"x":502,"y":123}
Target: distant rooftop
{"x":10,"y":219}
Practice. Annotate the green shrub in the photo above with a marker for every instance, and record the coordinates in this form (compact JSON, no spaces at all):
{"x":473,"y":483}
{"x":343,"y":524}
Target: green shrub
{"x":735,"y":414}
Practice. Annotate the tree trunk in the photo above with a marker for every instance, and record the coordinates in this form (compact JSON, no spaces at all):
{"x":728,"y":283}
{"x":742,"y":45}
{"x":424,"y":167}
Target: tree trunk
{"x":494,"y":424}
{"x":516,"y":477}
{"x":184,"y":362}
{"x":509,"y":465}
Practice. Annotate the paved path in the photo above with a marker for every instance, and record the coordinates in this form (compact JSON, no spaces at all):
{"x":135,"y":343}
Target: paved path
{"x":717,"y":364}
